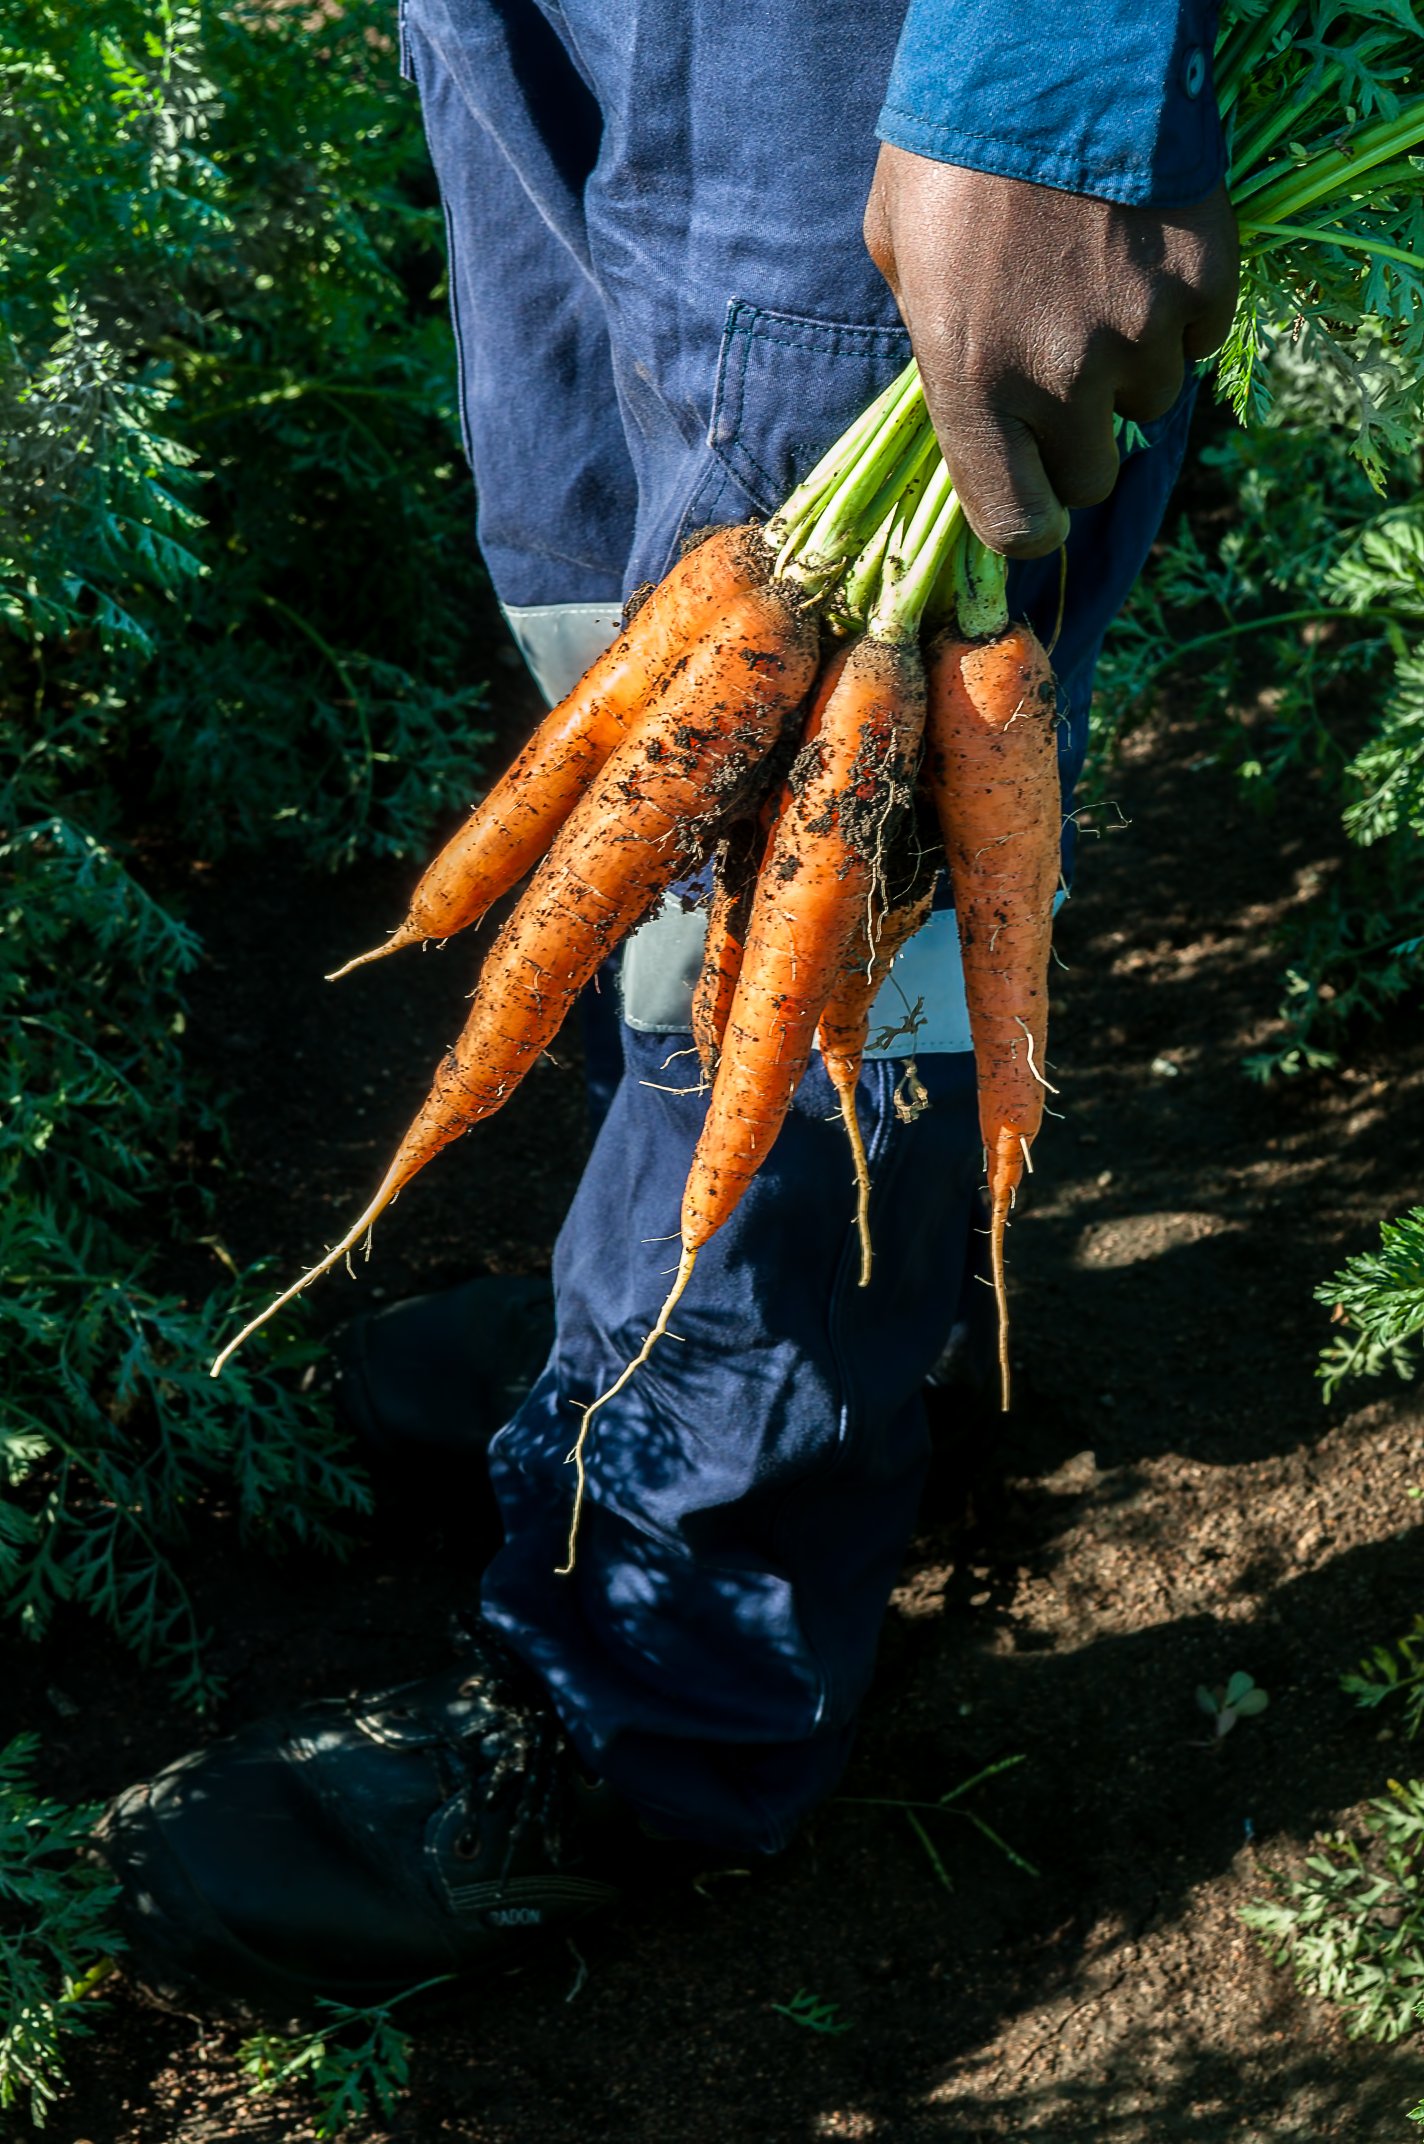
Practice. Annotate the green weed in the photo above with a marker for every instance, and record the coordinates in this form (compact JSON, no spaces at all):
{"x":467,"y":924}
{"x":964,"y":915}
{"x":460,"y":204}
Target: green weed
{"x":1379,"y":1296}
{"x":1351,"y":1927}
{"x":1393,"y":1671}
{"x":809,"y":2011}
{"x":1227,"y":1703}
{"x":356,"y":2062}
{"x":949,"y":1804}
{"x":234,"y":579}
{"x":1299,"y":630}
{"x":54,"y":1933}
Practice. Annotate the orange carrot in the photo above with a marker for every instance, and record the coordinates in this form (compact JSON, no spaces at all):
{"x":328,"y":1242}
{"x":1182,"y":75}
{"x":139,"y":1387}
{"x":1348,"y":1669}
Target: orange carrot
{"x":991,"y":765}
{"x":728,"y":912}
{"x":734,"y":883}
{"x":509,"y":831}
{"x":645,"y":820}
{"x":845,"y":1024}
{"x":848,"y":787}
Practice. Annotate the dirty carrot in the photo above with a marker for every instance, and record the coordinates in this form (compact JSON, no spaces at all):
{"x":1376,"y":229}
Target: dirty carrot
{"x":849,"y":786}
{"x":508,"y":832}
{"x":991,"y":765}
{"x":645,"y":820}
{"x":728,"y":912}
{"x":734,"y":884}
{"x":845,"y":1024}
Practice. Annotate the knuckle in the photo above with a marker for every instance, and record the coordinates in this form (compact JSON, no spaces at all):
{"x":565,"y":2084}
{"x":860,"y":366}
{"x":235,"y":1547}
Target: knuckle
{"x":1151,"y":309}
{"x":1055,"y":361}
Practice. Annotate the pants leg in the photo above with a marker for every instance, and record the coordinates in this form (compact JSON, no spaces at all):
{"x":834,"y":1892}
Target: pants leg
{"x":751,"y":1490}
{"x":513,"y":133}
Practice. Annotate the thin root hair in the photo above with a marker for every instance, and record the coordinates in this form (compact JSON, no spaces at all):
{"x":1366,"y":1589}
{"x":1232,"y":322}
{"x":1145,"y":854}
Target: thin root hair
{"x":1046,"y":1084}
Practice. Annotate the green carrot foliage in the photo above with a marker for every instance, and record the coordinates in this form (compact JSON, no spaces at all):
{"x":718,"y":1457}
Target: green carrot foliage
{"x":235,"y":570}
{"x":54,"y":1933}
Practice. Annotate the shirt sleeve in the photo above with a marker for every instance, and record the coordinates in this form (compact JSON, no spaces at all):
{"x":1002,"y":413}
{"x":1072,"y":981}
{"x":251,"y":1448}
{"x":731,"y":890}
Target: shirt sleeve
{"x":1106,"y":97}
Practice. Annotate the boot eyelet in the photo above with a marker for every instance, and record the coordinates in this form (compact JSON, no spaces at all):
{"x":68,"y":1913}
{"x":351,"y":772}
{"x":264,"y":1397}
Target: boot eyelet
{"x":467,"y":1844}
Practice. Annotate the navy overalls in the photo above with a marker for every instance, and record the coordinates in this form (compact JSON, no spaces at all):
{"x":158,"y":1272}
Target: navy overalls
{"x":664,"y":313}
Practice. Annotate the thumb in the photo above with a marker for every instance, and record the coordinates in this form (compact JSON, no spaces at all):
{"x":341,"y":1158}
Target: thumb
{"x":997,"y":470}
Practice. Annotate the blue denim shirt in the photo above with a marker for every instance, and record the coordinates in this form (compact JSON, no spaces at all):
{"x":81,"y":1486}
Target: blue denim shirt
{"x":1105,"y":97}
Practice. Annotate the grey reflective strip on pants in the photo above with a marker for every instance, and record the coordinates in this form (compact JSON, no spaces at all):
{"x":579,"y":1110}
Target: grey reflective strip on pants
{"x":920,"y":1005}
{"x":559,"y":640}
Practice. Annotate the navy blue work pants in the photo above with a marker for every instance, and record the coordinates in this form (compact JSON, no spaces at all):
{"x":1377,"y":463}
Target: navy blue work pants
{"x":664,"y":312}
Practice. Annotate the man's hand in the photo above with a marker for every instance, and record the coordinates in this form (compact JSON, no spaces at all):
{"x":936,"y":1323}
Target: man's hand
{"x":1033,"y":315}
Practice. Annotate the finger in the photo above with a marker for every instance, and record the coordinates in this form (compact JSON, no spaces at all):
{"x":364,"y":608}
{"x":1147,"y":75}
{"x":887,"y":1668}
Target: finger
{"x":1216,"y":285}
{"x":998,"y":473}
{"x":1207,"y":333}
{"x":1152,"y":383}
{"x":1078,"y":447}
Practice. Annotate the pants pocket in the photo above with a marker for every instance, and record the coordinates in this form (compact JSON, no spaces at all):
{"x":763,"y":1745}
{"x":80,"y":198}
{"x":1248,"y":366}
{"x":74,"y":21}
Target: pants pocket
{"x":787,"y":387}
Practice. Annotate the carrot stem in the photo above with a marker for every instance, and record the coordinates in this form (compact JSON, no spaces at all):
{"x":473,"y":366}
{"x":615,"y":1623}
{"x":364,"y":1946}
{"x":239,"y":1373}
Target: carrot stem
{"x":802,"y":507}
{"x":925,"y":564}
{"x":863,"y":502}
{"x":862,"y":578}
{"x":1251,"y":142}
{"x":1279,"y":196}
{"x":1237,"y":55}
{"x":1320,"y":235}
{"x":980,"y":590}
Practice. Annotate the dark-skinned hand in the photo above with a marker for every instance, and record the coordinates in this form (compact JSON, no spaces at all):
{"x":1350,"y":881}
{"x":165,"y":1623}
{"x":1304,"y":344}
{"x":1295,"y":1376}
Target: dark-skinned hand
{"x":1035,"y":314}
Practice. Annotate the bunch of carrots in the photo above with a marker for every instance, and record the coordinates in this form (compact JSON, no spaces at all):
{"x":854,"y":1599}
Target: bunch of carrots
{"x":730,"y":725}
{"x":796,"y":705}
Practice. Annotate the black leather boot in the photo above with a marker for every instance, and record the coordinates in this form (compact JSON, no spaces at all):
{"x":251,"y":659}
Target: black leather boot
{"x":357,"y":1848}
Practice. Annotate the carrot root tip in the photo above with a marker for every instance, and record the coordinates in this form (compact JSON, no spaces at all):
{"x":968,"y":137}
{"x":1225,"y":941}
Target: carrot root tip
{"x":844,"y":1084}
{"x":576,"y":1457}
{"x":339,"y":1251}
{"x":363,"y":960}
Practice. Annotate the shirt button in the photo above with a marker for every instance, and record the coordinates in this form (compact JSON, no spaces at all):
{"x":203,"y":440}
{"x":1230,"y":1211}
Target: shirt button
{"x":1194,"y":72}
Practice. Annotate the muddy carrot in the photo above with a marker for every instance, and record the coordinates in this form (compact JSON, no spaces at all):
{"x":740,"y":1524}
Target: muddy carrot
{"x":991,"y":765}
{"x":728,"y":913}
{"x":508,"y":832}
{"x":734,"y":884}
{"x":845,"y":1024}
{"x":850,"y":788}
{"x":646,"y":820}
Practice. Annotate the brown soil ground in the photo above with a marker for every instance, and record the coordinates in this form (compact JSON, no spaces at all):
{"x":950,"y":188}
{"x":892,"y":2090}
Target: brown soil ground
{"x":1169,"y":1502}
